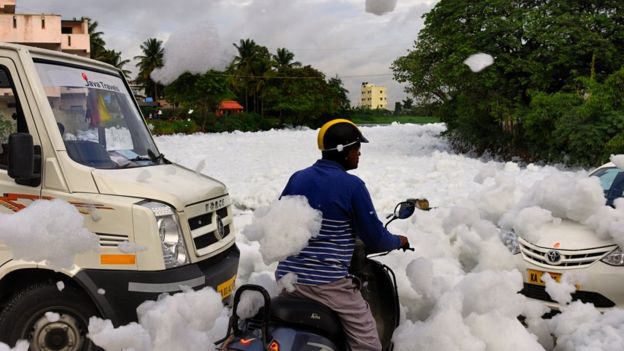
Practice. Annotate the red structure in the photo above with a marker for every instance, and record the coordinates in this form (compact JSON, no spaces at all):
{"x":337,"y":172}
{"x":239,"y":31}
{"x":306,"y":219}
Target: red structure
{"x":229,"y":107}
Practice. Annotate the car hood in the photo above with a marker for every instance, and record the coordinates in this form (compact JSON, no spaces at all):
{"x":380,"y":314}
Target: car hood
{"x":569,"y":235}
{"x":172,"y":184}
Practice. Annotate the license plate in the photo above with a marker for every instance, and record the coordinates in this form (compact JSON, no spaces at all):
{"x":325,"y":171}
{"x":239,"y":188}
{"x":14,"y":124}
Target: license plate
{"x":535,"y":277}
{"x":226,"y":288}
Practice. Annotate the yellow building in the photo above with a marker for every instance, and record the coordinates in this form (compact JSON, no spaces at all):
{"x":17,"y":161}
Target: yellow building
{"x":373,"y":97}
{"x":44,"y":30}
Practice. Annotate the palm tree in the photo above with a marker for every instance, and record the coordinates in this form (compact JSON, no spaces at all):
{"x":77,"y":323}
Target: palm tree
{"x":284,"y":58}
{"x":114,"y":58}
{"x":246,"y":51}
{"x":152,"y":58}
{"x":96,"y":43}
{"x":250,"y":67}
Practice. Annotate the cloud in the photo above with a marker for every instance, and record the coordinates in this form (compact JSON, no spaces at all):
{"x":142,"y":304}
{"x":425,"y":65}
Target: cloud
{"x":336,"y":37}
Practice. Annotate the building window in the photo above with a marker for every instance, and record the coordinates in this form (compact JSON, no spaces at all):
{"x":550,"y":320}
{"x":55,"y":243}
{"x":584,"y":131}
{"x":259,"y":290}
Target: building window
{"x":14,"y":22}
{"x":69,"y":40}
{"x":42,"y":22}
{"x":66,"y":30}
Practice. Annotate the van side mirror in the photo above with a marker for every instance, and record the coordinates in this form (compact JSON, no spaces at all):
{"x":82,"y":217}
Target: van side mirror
{"x":24,"y":159}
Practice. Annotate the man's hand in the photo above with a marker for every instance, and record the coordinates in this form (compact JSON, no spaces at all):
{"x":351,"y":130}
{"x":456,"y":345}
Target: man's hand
{"x":405,"y":245}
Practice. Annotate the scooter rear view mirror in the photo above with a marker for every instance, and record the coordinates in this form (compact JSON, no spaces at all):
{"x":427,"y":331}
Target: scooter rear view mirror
{"x":404,"y":209}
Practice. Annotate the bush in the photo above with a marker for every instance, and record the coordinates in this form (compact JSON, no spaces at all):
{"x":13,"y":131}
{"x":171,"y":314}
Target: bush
{"x":578,"y":128}
{"x":245,"y":122}
{"x":615,"y":146}
{"x":164,"y":127}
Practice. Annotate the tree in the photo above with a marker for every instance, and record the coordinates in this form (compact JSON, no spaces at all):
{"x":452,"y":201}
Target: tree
{"x":408,"y":103}
{"x":284,"y":58}
{"x":152,"y":58}
{"x":200,"y":92}
{"x":96,"y":43}
{"x":537,"y":46}
{"x":114,"y":58}
{"x":305,"y":97}
{"x":251,"y":68}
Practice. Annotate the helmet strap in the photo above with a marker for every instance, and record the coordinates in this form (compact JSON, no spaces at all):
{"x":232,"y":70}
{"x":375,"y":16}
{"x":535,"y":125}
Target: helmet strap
{"x":340,"y":147}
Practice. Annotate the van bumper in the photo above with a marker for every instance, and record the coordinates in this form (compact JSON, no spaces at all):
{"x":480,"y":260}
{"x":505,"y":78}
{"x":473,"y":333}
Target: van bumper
{"x":118,"y":293}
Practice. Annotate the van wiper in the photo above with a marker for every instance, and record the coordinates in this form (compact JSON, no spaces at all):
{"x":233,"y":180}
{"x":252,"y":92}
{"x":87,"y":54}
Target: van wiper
{"x":156,"y":159}
{"x":140,"y":158}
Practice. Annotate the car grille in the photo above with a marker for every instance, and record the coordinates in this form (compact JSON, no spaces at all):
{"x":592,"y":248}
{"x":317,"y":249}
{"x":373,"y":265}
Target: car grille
{"x":539,"y":292}
{"x":208,"y":227}
{"x":569,"y":258}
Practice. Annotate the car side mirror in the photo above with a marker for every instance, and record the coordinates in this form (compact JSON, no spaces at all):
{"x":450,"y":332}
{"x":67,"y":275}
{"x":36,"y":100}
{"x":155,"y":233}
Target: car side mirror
{"x":23,"y":158}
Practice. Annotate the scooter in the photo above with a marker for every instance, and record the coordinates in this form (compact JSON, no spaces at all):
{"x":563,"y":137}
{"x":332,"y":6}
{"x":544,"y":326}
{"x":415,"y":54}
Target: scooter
{"x":295,"y":324}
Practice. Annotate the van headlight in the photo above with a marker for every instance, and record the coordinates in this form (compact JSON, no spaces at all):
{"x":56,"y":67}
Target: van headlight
{"x":171,"y":238}
{"x":510,"y":239}
{"x":614,"y":258}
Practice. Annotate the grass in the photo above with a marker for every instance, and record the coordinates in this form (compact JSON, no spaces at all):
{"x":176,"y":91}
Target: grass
{"x":380,"y":119}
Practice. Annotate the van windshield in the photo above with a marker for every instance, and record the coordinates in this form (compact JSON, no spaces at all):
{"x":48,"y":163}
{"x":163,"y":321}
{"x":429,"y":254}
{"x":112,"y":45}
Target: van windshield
{"x":97,"y":118}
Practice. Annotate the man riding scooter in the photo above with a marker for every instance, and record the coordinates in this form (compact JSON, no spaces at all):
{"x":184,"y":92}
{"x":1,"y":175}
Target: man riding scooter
{"x":348,"y":213}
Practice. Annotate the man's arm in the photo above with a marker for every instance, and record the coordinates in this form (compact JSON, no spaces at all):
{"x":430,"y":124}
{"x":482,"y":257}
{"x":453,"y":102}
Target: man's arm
{"x":368,"y":226}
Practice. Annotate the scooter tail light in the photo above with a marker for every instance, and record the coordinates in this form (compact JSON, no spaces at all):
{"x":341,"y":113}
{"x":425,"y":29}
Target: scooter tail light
{"x":274,"y":346}
{"x":245,"y":342}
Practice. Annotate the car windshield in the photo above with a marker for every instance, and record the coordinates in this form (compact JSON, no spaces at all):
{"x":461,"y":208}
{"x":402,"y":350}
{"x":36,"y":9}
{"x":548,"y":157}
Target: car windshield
{"x":612,"y":181}
{"x":97,"y":118}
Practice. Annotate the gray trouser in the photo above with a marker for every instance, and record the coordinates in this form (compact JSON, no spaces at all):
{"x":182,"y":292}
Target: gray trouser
{"x":342,"y":297}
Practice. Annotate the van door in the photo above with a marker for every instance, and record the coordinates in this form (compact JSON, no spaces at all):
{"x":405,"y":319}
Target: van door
{"x":14,"y":118}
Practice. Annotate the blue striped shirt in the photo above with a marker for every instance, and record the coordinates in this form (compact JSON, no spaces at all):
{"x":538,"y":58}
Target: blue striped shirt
{"x":347,"y":212}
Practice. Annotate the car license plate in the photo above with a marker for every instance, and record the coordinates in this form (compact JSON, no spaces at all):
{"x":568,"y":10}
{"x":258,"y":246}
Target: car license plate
{"x":535,"y":277}
{"x":226,"y":288}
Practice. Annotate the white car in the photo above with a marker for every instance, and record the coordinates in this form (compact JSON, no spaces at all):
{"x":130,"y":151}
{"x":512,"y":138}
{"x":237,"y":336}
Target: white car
{"x":572,"y":247}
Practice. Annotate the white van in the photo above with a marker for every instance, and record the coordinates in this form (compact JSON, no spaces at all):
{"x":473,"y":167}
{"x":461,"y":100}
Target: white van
{"x":70,"y":129}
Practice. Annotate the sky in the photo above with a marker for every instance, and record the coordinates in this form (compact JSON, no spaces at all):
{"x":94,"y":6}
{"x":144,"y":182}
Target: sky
{"x":355,"y":39}
{"x":458,"y":289}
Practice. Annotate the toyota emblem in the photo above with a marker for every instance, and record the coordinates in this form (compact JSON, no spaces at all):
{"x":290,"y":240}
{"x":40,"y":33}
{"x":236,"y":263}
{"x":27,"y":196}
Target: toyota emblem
{"x":553,"y":257}
{"x":220,"y":228}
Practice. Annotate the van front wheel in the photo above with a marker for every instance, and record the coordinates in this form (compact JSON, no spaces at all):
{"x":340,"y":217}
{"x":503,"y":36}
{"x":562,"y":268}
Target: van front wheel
{"x":48,"y":319}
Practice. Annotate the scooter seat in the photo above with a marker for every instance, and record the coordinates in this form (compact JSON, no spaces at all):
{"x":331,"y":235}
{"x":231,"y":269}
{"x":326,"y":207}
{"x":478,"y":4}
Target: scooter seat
{"x":308,"y":314}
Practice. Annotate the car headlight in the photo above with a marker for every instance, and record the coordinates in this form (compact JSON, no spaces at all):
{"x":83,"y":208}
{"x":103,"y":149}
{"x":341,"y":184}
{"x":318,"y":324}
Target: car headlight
{"x":615,"y":258}
{"x":510,"y":239}
{"x":171,"y":238}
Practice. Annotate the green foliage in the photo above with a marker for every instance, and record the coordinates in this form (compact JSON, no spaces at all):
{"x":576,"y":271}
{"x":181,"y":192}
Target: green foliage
{"x":387,"y":119}
{"x":580,"y":128}
{"x":273,"y":88}
{"x":245,"y":122}
{"x":114,"y":58}
{"x":615,"y":145}
{"x":531,"y":101}
{"x":7,"y":126}
{"x":152,"y":58}
{"x":179,"y":126}
{"x":200,"y":93}
{"x":278,"y":86}
{"x":96,"y":42}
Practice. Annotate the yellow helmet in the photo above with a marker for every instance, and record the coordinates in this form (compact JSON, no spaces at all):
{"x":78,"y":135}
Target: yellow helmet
{"x":338,"y":134}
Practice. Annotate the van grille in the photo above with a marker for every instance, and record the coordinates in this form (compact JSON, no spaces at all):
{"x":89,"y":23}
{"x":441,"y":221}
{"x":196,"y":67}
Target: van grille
{"x":208,"y":227}
{"x":111,"y":240}
{"x":569,"y":258}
